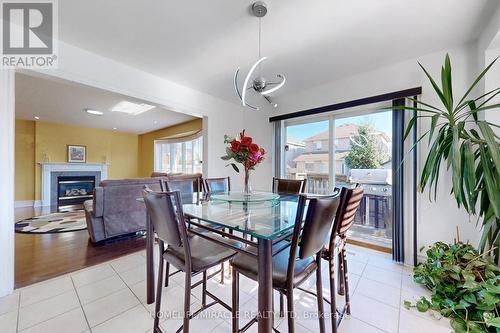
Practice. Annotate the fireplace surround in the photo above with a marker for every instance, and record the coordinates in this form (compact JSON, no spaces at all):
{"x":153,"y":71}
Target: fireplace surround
{"x":52,"y":171}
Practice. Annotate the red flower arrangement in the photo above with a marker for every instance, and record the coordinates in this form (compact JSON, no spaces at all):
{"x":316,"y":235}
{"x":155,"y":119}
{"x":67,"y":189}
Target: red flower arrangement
{"x":245,"y":152}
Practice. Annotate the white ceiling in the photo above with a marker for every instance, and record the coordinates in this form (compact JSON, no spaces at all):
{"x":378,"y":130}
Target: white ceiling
{"x":200,"y":43}
{"x":64,"y":102}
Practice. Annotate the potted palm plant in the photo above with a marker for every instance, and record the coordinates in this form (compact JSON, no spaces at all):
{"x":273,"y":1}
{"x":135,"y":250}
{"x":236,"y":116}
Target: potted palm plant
{"x":469,"y":147}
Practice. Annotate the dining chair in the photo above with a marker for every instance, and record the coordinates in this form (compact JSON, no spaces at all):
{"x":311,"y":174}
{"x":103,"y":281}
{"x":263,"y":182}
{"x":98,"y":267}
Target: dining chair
{"x":189,"y":253}
{"x":293,"y":264}
{"x":289,"y":186}
{"x":344,"y":219}
{"x":217,"y":185}
{"x":190,"y":188}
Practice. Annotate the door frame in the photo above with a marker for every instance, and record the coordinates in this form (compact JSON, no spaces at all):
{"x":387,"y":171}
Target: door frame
{"x":7,"y":144}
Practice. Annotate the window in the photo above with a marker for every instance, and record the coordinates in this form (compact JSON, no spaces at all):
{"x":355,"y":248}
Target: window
{"x":178,"y":155}
{"x":317,"y":145}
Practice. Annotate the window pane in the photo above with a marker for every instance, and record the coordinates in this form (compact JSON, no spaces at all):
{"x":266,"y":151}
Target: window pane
{"x":363,"y":156}
{"x":307,"y":156}
{"x":181,"y":157}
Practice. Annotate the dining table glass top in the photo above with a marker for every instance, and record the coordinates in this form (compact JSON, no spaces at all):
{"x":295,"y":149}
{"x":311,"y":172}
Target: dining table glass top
{"x":265,"y":220}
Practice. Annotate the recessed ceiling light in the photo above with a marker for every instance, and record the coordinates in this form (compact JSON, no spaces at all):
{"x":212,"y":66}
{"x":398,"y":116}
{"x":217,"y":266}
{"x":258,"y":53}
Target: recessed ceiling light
{"x":114,"y":128}
{"x":36,"y":118}
{"x":155,"y":122}
{"x":132,"y":108}
{"x":94,"y":112}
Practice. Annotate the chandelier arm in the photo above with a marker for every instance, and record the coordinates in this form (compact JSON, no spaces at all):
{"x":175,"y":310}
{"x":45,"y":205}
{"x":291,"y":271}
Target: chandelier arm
{"x":269,"y":101}
{"x":245,"y":85}
{"x":238,"y":91}
{"x":273,"y":89}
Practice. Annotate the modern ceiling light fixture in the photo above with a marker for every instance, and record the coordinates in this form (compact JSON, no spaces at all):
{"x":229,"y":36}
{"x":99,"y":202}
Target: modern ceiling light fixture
{"x":259,"y":83}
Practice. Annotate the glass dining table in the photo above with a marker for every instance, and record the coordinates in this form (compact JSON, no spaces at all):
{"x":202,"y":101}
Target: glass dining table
{"x":266,"y":221}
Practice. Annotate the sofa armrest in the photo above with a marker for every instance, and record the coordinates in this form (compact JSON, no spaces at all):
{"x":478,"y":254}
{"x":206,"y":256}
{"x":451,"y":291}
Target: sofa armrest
{"x":98,"y":202}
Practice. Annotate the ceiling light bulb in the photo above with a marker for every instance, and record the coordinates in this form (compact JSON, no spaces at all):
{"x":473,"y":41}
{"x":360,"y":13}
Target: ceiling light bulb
{"x":36,"y":118}
{"x":94,"y":112}
{"x":114,"y":128}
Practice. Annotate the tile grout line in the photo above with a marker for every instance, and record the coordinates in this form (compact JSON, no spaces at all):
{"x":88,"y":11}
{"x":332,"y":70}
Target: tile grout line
{"x":128,"y":287}
{"x":371,"y":325}
{"x":46,"y":320}
{"x":80,"y":302}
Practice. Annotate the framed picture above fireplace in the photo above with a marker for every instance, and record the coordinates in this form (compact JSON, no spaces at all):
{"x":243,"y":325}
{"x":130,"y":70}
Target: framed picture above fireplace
{"x":77,"y":154}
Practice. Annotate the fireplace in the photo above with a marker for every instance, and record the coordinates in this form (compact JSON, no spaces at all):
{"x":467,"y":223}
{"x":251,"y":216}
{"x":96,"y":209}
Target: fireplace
{"x":72,"y":191}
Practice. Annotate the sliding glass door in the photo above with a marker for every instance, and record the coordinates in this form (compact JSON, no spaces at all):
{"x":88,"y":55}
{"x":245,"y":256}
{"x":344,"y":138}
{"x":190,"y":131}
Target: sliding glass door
{"x":307,"y":155}
{"x":347,"y":150}
{"x":363,"y":156}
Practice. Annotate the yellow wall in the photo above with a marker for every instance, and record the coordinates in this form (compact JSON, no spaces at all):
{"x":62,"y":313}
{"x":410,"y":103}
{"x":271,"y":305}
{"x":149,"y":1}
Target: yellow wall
{"x":146,"y":142}
{"x":25,"y":160}
{"x":128,"y":155}
{"x":40,"y":139}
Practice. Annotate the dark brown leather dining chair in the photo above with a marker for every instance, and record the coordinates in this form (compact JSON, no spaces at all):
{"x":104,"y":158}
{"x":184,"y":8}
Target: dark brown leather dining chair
{"x":190,"y":188}
{"x":293,"y":264}
{"x":344,"y":219}
{"x":218,"y":185}
{"x":189,"y":253}
{"x":289,"y":186}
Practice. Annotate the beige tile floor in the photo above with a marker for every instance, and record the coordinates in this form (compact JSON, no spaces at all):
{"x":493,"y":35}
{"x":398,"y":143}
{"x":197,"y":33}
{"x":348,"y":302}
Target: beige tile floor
{"x":110,"y":298}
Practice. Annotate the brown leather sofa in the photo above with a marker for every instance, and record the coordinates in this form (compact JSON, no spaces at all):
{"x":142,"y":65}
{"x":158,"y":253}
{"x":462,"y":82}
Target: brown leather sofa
{"x":114,"y":210}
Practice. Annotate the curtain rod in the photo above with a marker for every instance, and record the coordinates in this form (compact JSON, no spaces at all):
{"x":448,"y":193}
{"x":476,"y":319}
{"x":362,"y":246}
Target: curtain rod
{"x":349,"y":104}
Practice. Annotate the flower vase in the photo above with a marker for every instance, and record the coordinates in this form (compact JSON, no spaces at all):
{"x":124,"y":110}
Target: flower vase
{"x":247,"y":189}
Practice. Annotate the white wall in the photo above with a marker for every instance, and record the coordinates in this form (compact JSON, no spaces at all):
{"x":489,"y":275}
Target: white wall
{"x":493,"y":82}
{"x":436,"y":220}
{"x":6,"y":182}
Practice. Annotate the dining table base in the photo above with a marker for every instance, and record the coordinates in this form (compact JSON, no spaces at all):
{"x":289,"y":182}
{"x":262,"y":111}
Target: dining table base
{"x":265,"y":292}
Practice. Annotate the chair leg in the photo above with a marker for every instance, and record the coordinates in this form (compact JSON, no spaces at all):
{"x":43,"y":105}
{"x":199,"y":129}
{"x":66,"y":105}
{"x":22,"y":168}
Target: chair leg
{"x":290,"y":310}
{"x":204,"y":290}
{"x":156,"y":325}
{"x":235,"y":301}
{"x":187,"y":299}
{"x":282,"y":305}
{"x":340,"y":275}
{"x":346,"y":282}
{"x":222,"y":273}
{"x":167,"y":273}
{"x":333,"y":299}
{"x":319,"y":295}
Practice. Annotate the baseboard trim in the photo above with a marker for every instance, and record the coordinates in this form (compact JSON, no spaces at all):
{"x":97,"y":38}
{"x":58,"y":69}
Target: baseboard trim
{"x":27,"y":203}
{"x":24,"y":203}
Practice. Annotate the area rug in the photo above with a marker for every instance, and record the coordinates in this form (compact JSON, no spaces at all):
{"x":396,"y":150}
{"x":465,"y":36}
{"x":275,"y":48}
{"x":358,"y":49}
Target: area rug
{"x":53,"y":223}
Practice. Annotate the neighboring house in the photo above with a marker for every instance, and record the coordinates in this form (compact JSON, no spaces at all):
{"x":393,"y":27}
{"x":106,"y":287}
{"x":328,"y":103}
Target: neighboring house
{"x":315,"y":157}
{"x":294,"y":147}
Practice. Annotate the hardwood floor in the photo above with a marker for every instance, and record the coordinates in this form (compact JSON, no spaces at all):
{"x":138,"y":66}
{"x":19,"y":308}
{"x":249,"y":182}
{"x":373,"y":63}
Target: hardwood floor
{"x":41,"y":257}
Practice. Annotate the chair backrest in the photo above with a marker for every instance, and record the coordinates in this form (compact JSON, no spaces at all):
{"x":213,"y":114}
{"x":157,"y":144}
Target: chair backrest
{"x":165,"y":216}
{"x":318,"y":224}
{"x":350,"y":200}
{"x":289,"y":186}
{"x":217,"y":185}
{"x":186,"y":188}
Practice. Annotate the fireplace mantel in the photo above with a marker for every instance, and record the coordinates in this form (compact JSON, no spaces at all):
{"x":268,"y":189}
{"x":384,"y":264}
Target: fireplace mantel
{"x":49,"y":168}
